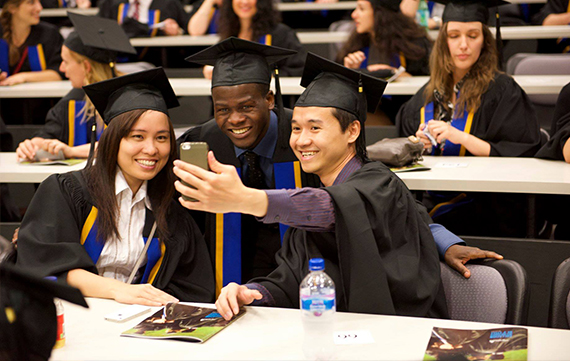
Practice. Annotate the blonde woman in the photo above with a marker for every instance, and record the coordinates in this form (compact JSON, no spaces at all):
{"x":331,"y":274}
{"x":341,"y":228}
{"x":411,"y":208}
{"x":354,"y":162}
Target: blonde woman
{"x":68,"y":123}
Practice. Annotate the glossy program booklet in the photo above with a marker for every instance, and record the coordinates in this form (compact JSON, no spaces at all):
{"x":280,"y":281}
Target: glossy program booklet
{"x":181,"y":322}
{"x":508,"y":343}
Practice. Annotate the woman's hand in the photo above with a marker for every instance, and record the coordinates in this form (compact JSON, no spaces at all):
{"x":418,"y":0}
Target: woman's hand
{"x":13,"y":79}
{"x":207,"y":70}
{"x":354,"y":60}
{"x":27,"y":150}
{"x":53,"y":146}
{"x":171,"y":27}
{"x":444,"y":131}
{"x":376,"y":67}
{"x":145,"y":294}
{"x":83,"y":4}
{"x":232,"y":297}
{"x":421,"y":136}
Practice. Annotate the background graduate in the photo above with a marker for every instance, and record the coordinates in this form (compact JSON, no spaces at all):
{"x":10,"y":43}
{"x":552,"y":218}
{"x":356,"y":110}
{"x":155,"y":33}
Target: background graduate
{"x":29,"y":52}
{"x":90,"y":228}
{"x":364,"y":222}
{"x":469,"y":107}
{"x":88,"y":55}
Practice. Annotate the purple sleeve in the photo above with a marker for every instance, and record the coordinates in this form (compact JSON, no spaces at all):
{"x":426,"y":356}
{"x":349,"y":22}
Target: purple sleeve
{"x":267,"y":299}
{"x":310,"y":209}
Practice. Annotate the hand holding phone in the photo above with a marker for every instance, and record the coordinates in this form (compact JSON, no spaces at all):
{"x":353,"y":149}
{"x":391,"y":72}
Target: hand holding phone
{"x":195,"y":153}
{"x":429,"y":136}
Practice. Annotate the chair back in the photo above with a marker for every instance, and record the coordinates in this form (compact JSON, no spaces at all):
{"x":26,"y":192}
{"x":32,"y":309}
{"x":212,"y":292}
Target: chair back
{"x":559,"y":314}
{"x":539,"y":64}
{"x":496,"y":292}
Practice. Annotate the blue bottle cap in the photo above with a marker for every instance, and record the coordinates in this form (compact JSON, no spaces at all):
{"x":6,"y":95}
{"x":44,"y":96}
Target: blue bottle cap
{"x":316,"y":264}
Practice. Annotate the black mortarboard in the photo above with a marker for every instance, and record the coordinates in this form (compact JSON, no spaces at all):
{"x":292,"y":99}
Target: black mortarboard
{"x":97,"y":38}
{"x":238,"y":61}
{"x":393,"y":5}
{"x":468,"y":10}
{"x":149,"y":89}
{"x":28,"y":325}
{"x":329,"y":84}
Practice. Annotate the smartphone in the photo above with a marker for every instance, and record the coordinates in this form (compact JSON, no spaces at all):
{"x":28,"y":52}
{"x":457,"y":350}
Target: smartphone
{"x":127,"y":313}
{"x":430,"y":137}
{"x":194,"y":153}
{"x":44,"y":155}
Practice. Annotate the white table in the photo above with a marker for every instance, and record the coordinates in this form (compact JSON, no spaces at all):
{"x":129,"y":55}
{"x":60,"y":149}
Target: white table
{"x":491,"y":174}
{"x":273,"y":334}
{"x":532,"y":84}
{"x":12,"y":172}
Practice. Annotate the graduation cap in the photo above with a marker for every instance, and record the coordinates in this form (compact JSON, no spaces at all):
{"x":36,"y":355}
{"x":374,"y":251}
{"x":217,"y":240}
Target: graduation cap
{"x":149,"y":89}
{"x":97,"y":38}
{"x":237,"y":61}
{"x":472,"y":10}
{"x":329,"y":84}
{"x":393,"y":5}
{"x":28,"y":324}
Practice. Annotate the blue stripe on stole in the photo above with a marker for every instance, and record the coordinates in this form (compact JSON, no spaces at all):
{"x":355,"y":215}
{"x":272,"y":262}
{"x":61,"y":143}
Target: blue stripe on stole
{"x":151,"y":21}
{"x":36,"y":58}
{"x":4,"y":56}
{"x":284,"y":179}
{"x":366,"y":51}
{"x":213,"y":27}
{"x":430,"y":5}
{"x":450,"y":149}
{"x":232,"y":248}
{"x":91,"y":245}
{"x":153,"y":255}
{"x":395,"y":62}
{"x":82,"y":129}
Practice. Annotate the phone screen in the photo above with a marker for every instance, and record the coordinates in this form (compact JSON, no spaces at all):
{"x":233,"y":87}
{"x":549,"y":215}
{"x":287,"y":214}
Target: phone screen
{"x":194,"y":153}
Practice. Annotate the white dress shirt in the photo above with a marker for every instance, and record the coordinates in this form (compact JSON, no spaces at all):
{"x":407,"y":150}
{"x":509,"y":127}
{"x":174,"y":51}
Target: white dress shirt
{"x":144,"y":5}
{"x":119,"y":256}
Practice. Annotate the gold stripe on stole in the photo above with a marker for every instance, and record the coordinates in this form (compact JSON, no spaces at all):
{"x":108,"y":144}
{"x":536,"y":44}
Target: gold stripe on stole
{"x":41,"y":56}
{"x":219,"y":252}
{"x":402,"y":60}
{"x":71,"y":122}
{"x":268,"y":40}
{"x":156,"y":21}
{"x":468,"y":124}
{"x":156,"y":267}
{"x":297,"y":171}
{"x":88,"y":224}
{"x":423,"y":115}
{"x":120,"y":13}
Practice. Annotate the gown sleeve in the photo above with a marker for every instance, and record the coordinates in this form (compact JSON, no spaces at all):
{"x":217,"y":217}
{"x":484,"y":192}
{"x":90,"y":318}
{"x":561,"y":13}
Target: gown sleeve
{"x":560,"y":128}
{"x":408,"y":118}
{"x":193,"y":276}
{"x":49,"y":237}
{"x":52,"y":50}
{"x":551,"y":7}
{"x":512,"y":126}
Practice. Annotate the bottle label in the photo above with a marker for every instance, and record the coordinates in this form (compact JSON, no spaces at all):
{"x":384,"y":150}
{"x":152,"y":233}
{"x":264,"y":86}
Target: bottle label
{"x":60,"y":340}
{"x":317,"y":305}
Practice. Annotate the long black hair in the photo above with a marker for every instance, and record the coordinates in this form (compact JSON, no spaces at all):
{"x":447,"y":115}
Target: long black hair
{"x":265,"y":19}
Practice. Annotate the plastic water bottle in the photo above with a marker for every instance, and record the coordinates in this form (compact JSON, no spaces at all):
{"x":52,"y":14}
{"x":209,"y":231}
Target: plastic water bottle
{"x":422,"y":15}
{"x":318,"y":305}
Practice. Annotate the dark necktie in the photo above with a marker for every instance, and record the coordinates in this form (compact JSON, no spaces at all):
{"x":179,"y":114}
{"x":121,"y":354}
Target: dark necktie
{"x":254,"y":177}
{"x":136,"y":11}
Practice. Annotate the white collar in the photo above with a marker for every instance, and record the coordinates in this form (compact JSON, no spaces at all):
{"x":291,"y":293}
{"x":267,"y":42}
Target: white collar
{"x":121,"y":186}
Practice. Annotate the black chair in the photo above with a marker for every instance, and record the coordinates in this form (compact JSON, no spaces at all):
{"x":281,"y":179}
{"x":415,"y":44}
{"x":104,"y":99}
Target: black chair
{"x":496,"y":292}
{"x":559,"y":314}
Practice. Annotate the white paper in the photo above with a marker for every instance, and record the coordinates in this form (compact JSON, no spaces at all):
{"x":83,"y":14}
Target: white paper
{"x":353,"y":337}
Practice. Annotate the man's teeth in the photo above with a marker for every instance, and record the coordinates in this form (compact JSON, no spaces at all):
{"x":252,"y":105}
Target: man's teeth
{"x":308,"y":154}
{"x":148,"y":163}
{"x":240,"y":131}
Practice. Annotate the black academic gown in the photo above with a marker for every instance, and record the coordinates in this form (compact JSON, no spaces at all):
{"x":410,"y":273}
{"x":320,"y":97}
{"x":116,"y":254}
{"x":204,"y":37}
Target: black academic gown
{"x":285,"y":37}
{"x":33,"y":111}
{"x":560,"y":45}
{"x":381,"y":256}
{"x":49,"y":240}
{"x":259,"y":242}
{"x":65,"y":121}
{"x":506,"y":120}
